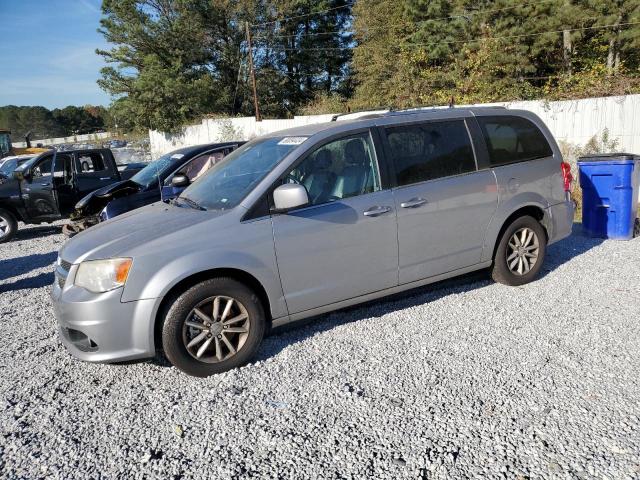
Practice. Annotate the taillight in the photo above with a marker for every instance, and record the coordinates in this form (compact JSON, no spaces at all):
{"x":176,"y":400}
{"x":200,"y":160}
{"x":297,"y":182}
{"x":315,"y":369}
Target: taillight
{"x":566,"y":176}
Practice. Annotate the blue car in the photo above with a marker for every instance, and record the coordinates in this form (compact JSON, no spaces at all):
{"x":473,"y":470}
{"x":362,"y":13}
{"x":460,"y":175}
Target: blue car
{"x":162,"y":179}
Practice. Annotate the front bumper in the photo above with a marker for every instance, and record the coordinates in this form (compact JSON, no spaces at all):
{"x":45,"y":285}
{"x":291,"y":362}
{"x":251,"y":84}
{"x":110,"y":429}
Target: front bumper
{"x":99,"y":327}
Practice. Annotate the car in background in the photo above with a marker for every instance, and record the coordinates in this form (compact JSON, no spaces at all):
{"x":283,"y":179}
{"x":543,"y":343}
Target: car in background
{"x":116,"y":143}
{"x":162,"y":179}
{"x":313,"y":219}
{"x":46,"y":187}
{"x":9,"y":164}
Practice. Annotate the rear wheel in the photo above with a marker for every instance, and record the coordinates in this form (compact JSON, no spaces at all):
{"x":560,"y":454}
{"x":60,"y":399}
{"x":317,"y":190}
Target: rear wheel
{"x":215,"y":326}
{"x":8,"y":225}
{"x":520,"y":253}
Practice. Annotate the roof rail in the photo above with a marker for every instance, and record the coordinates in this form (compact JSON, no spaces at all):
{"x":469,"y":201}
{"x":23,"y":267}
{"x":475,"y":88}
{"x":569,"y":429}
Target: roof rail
{"x":373,"y":111}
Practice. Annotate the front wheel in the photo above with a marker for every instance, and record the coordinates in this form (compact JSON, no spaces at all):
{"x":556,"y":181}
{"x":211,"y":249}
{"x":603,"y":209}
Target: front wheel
{"x":215,"y":326}
{"x":8,"y":225}
{"x":520,"y":253}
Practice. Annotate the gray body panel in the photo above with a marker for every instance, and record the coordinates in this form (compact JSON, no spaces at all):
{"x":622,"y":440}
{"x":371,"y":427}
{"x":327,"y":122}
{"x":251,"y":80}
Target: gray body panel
{"x":448,"y":231}
{"x":313,"y":259}
{"x":307,"y":241}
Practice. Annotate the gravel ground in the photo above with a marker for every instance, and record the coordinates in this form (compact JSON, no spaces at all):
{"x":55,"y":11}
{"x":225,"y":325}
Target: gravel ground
{"x":462,"y":379}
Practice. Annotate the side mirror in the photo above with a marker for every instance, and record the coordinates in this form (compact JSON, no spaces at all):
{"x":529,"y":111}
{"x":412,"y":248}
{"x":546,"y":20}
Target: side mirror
{"x":289,"y":196}
{"x":20,"y":175}
{"x":179,"y":180}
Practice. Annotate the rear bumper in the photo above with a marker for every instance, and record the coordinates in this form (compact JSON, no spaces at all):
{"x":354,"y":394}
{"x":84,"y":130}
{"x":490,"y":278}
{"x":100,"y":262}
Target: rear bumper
{"x":99,"y":327}
{"x":560,"y":220}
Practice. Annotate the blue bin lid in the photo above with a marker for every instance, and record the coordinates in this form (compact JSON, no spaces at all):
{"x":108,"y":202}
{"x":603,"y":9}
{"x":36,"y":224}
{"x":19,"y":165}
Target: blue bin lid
{"x":609,"y":158}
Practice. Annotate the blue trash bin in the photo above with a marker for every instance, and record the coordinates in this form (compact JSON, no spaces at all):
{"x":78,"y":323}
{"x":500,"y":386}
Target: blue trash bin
{"x":609,"y":194}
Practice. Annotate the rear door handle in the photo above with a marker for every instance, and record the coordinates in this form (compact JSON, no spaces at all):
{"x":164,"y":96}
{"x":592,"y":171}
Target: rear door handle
{"x":413,"y":203}
{"x":376,"y":211}
{"x":45,"y":184}
{"x":105,"y":178}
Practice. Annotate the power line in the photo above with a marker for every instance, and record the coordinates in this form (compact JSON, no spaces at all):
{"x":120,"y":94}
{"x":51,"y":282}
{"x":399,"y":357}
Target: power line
{"x":302,"y":16}
{"x":412,"y":45}
{"x":460,"y":15}
{"x":480,"y":12}
{"x":304,"y":34}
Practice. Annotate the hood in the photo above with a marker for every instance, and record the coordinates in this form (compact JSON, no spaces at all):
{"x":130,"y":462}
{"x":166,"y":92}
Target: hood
{"x":92,"y":203}
{"x":135,"y":231}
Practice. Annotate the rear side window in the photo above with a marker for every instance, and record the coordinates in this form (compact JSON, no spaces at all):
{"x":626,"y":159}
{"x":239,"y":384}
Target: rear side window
{"x":430,"y":150}
{"x":513,"y":139}
{"x":91,"y":162}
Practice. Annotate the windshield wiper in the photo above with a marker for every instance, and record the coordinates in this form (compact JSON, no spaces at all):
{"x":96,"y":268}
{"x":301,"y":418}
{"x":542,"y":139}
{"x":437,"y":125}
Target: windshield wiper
{"x":191,"y":203}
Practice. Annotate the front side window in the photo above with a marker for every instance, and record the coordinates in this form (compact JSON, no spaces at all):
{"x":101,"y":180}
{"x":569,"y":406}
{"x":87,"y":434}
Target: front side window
{"x":227,"y":182}
{"x":513,"y":139}
{"x":340,"y":169}
{"x":200,"y":165}
{"x":428,"y":151}
{"x":43,"y":168}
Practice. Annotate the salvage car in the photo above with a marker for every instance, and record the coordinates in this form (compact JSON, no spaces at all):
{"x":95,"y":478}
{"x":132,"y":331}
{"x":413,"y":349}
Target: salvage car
{"x":9,"y":164}
{"x":162,"y":179}
{"x":46,"y":188}
{"x":309,"y":220}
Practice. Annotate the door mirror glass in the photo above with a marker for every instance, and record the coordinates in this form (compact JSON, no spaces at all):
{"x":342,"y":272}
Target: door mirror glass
{"x":180,"y":180}
{"x":289,"y":196}
{"x":20,"y":175}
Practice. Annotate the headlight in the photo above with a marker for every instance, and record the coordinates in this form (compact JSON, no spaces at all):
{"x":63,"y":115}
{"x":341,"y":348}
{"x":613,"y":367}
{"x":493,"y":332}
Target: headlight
{"x":102,"y":216}
{"x":99,"y":276}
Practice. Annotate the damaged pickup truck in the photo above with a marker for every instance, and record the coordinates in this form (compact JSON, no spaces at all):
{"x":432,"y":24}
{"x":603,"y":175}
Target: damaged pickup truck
{"x":46,"y":188}
{"x":162,"y":179}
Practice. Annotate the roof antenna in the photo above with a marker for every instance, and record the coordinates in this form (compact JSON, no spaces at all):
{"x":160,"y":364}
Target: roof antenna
{"x":451,"y":102}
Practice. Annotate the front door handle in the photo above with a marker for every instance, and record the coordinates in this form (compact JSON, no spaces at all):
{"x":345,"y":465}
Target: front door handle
{"x":376,"y":211}
{"x":45,"y":184}
{"x":105,"y":178}
{"x":413,"y":203}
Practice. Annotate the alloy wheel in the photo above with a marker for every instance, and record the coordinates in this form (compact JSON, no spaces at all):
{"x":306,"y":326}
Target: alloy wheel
{"x":216,"y":329}
{"x":522,"y":251}
{"x":4,"y":226}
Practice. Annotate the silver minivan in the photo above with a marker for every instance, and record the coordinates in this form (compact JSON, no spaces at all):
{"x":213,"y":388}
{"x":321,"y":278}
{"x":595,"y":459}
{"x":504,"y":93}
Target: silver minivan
{"x":309,"y":220}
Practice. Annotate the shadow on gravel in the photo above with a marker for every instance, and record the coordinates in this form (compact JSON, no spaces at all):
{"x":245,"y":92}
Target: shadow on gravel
{"x":20,"y":265}
{"x":29,"y":233}
{"x":39,"y":281}
{"x":280,"y":338}
{"x":563,"y":251}
{"x":557,"y":255}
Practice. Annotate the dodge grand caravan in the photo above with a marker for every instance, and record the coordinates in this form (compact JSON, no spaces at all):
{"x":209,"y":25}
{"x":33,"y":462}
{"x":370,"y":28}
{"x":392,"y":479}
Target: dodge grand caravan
{"x":309,"y":220}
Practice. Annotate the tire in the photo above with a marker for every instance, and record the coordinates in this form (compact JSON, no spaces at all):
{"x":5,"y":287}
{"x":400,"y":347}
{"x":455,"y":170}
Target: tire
{"x":8,"y":225}
{"x":217,"y":356}
{"x":527,"y":271}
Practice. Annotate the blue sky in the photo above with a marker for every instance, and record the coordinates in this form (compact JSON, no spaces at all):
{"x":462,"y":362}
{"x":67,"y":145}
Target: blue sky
{"x":47,"y":53}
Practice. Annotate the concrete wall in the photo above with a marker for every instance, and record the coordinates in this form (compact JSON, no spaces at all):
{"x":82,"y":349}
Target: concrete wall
{"x":572,"y":121}
{"x":225,"y":129}
{"x":88,"y":138}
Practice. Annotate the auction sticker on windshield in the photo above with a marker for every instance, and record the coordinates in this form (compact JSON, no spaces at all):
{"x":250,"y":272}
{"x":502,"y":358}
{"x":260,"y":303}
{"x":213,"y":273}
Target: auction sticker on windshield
{"x":177,"y":156}
{"x":292,"y":140}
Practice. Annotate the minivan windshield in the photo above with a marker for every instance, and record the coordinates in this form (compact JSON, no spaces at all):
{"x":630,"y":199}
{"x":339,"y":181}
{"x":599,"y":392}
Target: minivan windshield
{"x":231,"y":179}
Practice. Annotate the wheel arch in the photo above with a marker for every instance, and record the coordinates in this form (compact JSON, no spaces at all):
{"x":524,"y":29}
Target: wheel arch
{"x":12,"y":210}
{"x":183,"y":285}
{"x":533,"y":210}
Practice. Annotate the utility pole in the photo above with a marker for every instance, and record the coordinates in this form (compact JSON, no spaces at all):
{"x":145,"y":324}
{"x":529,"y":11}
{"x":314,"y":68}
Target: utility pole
{"x":253,"y":75}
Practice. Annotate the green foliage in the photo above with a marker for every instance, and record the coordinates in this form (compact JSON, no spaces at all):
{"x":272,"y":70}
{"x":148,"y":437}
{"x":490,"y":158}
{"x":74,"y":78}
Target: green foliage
{"x":43,"y":123}
{"x":177,"y":60}
{"x":416,"y":52}
{"x":174,"y":61}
